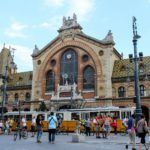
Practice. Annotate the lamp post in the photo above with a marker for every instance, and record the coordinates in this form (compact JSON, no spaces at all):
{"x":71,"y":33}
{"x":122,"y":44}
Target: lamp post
{"x":136,"y":60}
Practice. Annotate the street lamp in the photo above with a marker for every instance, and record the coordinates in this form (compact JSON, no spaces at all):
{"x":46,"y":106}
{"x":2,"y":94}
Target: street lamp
{"x":136,"y":60}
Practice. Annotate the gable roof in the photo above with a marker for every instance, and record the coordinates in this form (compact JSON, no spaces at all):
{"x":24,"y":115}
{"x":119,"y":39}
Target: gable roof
{"x":21,"y":79}
{"x":123,"y":68}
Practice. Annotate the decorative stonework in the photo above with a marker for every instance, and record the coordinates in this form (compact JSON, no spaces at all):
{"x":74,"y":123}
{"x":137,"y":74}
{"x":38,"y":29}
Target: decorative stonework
{"x":69,"y":23}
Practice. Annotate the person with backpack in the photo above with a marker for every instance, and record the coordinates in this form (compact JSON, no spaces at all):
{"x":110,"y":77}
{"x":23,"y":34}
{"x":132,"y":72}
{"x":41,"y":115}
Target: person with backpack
{"x":52,"y":125}
{"x":142,"y":130}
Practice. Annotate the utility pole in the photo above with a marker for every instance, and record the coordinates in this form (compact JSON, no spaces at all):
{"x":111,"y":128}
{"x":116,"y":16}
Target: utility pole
{"x":136,"y":60}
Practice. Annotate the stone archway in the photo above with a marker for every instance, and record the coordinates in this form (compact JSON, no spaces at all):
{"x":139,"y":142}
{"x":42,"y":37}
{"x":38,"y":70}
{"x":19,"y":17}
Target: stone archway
{"x":64,"y":107}
{"x":145,"y":111}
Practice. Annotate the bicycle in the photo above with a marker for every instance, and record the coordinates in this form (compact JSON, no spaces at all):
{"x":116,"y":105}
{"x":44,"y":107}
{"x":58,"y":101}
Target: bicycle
{"x":22,"y":133}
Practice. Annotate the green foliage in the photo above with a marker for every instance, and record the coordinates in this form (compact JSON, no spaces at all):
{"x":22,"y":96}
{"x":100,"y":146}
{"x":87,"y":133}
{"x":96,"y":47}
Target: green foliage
{"x":42,"y":107}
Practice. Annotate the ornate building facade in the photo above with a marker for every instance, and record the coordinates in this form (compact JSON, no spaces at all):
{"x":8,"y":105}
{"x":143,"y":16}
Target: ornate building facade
{"x":76,"y":70}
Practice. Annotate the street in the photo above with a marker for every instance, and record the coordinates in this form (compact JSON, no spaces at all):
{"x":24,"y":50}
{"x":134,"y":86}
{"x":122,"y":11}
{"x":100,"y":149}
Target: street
{"x":64,"y":142}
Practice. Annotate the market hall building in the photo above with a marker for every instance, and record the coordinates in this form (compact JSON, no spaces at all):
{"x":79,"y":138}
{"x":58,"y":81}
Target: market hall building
{"x":75,"y":70}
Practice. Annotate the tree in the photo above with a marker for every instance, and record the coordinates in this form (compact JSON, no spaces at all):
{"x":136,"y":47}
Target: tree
{"x":42,"y":107}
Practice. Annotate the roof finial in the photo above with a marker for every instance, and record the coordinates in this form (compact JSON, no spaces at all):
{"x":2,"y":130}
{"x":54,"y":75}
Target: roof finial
{"x":4,"y":45}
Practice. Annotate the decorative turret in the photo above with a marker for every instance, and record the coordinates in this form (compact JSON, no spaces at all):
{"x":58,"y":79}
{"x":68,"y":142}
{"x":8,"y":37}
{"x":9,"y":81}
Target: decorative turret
{"x":109,"y":38}
{"x":70,"y":23}
{"x":35,"y":50}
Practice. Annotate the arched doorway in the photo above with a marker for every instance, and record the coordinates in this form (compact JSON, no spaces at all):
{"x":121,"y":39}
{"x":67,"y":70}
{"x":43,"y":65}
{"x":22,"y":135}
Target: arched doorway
{"x":64,"y":107}
{"x":145,"y":111}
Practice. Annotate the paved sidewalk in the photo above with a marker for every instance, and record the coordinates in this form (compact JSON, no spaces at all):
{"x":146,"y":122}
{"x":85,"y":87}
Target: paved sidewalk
{"x":64,"y":142}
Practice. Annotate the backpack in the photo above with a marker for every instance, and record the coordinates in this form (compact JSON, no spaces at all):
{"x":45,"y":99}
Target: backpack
{"x":140,"y":127}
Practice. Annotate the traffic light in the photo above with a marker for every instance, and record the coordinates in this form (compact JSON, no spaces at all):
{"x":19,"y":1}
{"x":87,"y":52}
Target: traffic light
{"x":130,"y":58}
{"x":140,"y":56}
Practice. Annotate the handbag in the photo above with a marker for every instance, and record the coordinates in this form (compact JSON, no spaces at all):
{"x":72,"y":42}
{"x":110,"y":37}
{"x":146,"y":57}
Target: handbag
{"x":145,"y":129}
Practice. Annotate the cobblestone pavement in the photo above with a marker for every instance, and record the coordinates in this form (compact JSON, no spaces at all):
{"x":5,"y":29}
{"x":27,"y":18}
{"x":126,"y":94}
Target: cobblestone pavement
{"x":64,"y":142}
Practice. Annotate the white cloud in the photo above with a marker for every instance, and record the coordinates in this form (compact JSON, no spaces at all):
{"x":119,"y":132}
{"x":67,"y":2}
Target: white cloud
{"x":22,"y":56}
{"x":82,"y":8}
{"x":16,"y":30}
{"x":53,"y":2}
{"x":52,"y":24}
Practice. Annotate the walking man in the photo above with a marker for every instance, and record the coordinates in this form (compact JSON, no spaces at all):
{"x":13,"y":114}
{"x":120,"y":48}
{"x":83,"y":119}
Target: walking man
{"x":52,"y":121}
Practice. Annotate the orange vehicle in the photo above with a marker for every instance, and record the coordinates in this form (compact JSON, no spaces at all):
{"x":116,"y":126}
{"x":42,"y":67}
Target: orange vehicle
{"x":69,"y":117}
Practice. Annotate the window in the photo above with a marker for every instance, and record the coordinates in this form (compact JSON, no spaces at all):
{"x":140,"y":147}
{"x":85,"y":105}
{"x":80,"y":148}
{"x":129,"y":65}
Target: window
{"x":88,"y":78}
{"x":6,"y":99}
{"x":27,"y":98}
{"x":69,"y":67}
{"x":142,"y":90}
{"x":121,"y":92}
{"x":50,"y":81}
{"x":16,"y":97}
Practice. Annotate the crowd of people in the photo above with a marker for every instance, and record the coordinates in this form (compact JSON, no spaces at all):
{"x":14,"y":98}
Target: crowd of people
{"x":6,"y":126}
{"x":101,"y":126}
{"x":104,"y":124}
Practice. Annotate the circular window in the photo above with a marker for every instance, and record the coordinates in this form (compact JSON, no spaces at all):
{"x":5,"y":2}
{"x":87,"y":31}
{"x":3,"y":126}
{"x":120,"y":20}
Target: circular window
{"x":85,"y":58}
{"x":53,"y":62}
{"x":101,"y":53}
{"x":39,"y":62}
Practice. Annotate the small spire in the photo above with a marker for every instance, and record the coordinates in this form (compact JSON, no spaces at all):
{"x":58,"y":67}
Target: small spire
{"x":36,"y":49}
{"x":109,"y":37}
{"x":4,"y":45}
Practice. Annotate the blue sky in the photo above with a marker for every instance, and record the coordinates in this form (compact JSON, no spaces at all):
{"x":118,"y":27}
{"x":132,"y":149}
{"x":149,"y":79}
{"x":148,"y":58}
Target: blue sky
{"x":26,"y":23}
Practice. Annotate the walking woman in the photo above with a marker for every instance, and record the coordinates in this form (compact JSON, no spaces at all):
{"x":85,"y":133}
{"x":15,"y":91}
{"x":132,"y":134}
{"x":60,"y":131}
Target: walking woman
{"x":39,"y":128}
{"x":142,"y":130}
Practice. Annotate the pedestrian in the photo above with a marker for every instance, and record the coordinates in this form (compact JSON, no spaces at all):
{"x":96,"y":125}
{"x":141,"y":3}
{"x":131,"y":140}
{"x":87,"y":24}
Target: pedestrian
{"x":39,"y":128}
{"x":106,"y":126}
{"x":131,"y":131}
{"x":33,"y":124}
{"x":88,"y":127}
{"x":1,"y":126}
{"x":142,"y":130}
{"x":24,"y":123}
{"x":96,"y":122}
{"x":114,"y":124}
{"x":52,"y":125}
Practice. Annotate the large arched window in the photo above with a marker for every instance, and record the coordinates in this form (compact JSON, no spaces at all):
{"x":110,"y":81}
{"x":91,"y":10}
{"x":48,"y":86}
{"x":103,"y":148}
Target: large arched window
{"x":121,"y":92}
{"x":6,"y":99}
{"x":88,"y":78}
{"x":16,"y":97}
{"x":50,"y":81}
{"x":142,"y":90}
{"x":28,"y":96}
{"x":69,"y":67}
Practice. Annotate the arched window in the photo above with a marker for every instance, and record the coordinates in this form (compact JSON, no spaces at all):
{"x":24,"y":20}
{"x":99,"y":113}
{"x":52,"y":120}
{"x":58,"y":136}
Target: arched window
{"x":28,"y":96}
{"x":88,"y":78}
{"x":6,"y":99}
{"x":142,"y":90}
{"x":121,"y":92}
{"x":16,"y":97}
{"x":50,"y":81}
{"x":69,"y":67}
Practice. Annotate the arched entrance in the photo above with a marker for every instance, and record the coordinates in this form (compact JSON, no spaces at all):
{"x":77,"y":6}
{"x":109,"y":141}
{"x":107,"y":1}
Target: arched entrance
{"x":145,"y":111}
{"x":64,"y":107}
